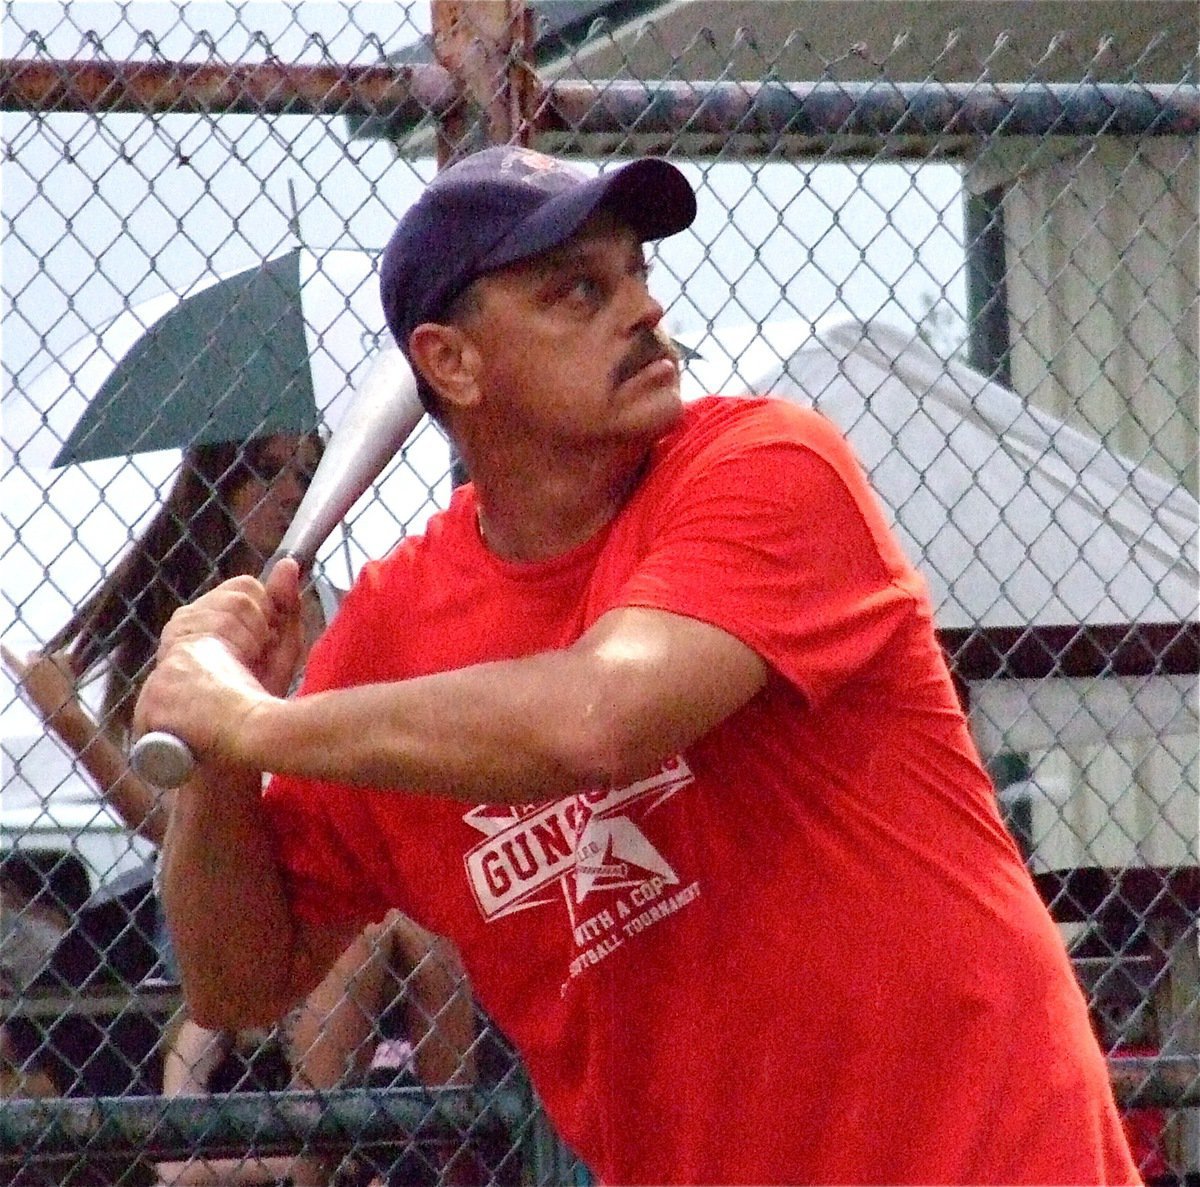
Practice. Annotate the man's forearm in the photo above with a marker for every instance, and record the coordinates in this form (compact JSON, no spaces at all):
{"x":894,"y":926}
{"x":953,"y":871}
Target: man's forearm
{"x":224,"y":902}
{"x":510,"y":731}
{"x":639,"y":686}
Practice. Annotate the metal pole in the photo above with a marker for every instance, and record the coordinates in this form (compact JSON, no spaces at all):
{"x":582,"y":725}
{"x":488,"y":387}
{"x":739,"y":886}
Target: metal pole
{"x":66,"y":1129}
{"x":404,"y":94}
{"x":486,"y":45}
{"x":499,"y":82}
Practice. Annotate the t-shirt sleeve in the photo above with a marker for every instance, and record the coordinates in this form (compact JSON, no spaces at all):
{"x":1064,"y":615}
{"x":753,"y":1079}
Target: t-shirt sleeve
{"x":772,"y":533}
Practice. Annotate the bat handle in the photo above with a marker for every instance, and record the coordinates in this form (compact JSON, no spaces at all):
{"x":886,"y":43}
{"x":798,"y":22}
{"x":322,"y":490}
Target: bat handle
{"x":302,"y":557}
{"x":161,"y":759}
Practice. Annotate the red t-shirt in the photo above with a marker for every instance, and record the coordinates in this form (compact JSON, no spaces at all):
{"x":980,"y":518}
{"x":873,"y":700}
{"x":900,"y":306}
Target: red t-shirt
{"x":806,"y":949}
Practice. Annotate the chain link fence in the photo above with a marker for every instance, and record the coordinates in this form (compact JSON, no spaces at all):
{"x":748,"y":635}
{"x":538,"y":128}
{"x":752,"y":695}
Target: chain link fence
{"x":975,"y":249}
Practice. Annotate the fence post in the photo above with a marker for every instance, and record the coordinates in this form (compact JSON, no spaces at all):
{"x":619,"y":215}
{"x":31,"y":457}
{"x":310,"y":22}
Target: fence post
{"x":486,"y":45}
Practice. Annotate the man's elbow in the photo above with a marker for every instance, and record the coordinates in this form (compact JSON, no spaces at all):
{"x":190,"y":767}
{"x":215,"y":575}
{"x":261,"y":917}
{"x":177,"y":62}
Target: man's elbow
{"x":609,"y":750}
{"x":220,"y":1006}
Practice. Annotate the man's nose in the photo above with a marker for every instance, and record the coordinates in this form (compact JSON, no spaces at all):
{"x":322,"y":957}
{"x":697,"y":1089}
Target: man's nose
{"x":645,"y":310}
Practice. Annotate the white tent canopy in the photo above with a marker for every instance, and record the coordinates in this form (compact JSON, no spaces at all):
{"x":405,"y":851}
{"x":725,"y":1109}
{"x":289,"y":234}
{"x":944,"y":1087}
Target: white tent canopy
{"x":47,"y":803}
{"x":1015,"y":517}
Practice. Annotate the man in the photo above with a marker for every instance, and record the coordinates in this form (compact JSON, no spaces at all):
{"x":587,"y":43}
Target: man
{"x":652,"y":722}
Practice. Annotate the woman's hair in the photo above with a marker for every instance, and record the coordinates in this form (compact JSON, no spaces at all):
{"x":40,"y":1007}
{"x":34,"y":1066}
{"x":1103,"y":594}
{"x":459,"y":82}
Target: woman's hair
{"x":190,"y":545}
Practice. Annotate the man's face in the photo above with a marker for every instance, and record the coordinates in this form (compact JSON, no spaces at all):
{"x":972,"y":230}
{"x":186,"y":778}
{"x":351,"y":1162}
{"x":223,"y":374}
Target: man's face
{"x":570,"y":342}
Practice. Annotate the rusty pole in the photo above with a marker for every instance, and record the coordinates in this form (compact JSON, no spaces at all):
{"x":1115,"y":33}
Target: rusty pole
{"x":486,"y":46}
{"x":403,"y":93}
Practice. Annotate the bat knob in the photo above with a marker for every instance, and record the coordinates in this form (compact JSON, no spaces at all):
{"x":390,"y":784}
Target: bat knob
{"x":161,"y":759}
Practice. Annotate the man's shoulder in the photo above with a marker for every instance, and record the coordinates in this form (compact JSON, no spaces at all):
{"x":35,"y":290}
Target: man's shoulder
{"x":744,"y":421}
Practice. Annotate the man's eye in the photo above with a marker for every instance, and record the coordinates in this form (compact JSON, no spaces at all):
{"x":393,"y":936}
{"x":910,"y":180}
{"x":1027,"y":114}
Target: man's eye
{"x":584,"y":288}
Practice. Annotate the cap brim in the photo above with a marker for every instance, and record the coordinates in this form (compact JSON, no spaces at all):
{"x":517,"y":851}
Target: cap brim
{"x":649,"y":195}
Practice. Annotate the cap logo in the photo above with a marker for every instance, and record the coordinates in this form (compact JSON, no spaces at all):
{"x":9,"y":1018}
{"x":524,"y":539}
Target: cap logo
{"x":536,"y":169}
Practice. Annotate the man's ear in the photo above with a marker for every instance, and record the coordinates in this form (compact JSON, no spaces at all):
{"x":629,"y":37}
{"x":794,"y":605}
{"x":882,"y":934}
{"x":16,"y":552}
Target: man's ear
{"x":448,"y":360}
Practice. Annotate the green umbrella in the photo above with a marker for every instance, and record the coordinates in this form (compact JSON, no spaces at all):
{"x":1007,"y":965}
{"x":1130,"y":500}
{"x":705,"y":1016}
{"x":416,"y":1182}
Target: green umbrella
{"x":263,"y":351}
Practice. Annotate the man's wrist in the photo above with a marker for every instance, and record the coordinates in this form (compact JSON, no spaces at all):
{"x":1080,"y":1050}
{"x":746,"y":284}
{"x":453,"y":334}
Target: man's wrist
{"x":253,"y":741}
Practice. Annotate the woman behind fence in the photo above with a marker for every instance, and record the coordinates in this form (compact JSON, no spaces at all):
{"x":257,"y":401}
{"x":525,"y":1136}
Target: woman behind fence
{"x":224,"y":516}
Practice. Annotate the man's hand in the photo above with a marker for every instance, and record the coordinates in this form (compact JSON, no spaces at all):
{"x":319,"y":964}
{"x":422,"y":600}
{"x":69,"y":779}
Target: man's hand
{"x":221,"y":657}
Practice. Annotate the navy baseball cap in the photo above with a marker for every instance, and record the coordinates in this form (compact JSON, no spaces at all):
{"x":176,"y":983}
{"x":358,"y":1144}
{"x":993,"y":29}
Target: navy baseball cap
{"x":507,"y":204}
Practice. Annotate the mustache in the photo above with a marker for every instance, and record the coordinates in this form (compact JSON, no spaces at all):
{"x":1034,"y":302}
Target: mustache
{"x":649,"y":347}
